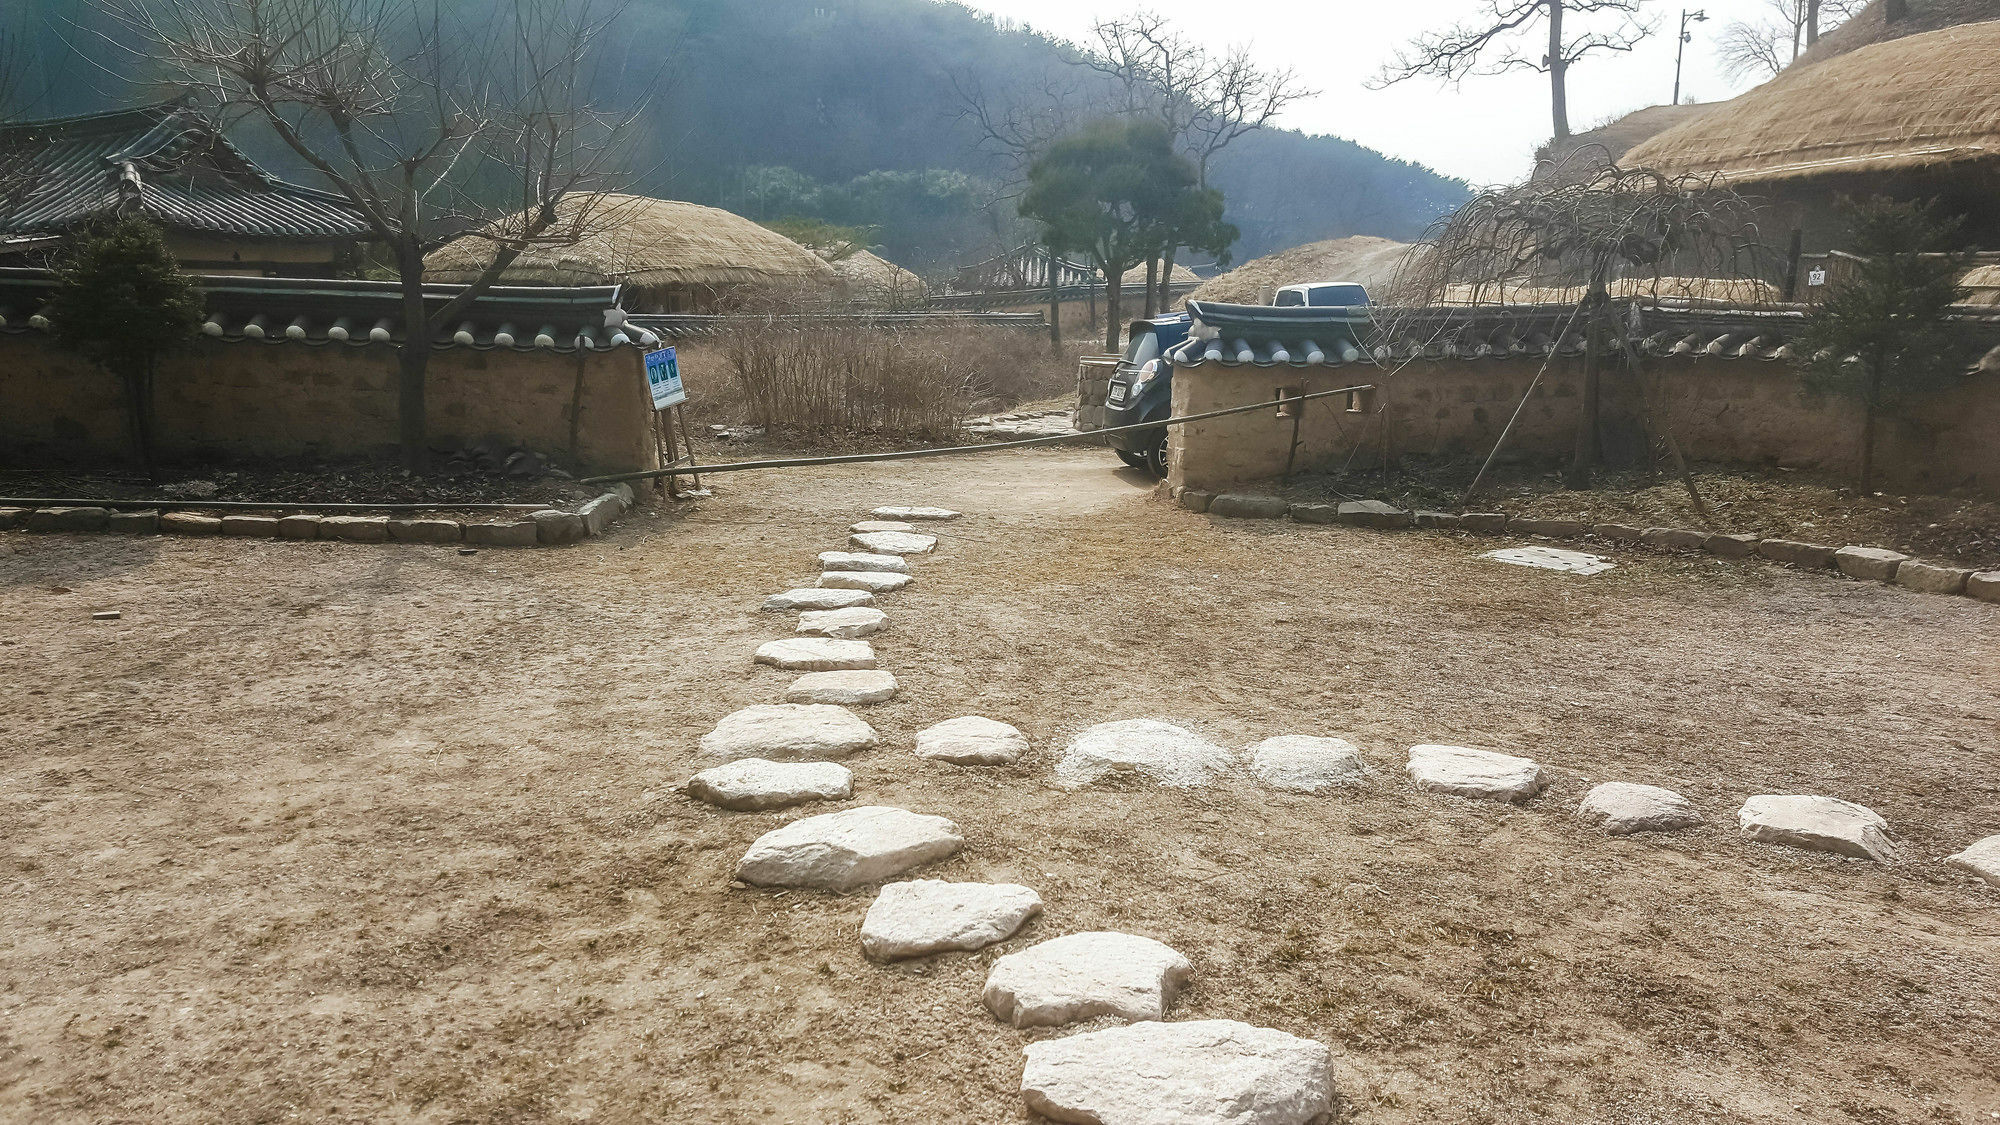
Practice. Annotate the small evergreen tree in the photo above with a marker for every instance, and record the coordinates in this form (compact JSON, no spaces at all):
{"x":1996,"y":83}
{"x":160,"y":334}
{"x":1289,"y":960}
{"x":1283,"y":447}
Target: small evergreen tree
{"x":1880,"y":335}
{"x":122,"y":302}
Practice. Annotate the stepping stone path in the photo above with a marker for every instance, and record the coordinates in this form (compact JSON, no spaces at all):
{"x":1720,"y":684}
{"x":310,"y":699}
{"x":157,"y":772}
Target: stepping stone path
{"x":1981,"y":859}
{"x":1824,"y":824}
{"x":788,"y":732}
{"x":1083,"y":976}
{"x":751,"y":784}
{"x":927,"y":916}
{"x":1300,"y":763}
{"x":792,"y":601}
{"x":842,"y":687}
{"x":883,"y":525}
{"x":1153,"y":751}
{"x":893,"y":542}
{"x":1621,"y":808}
{"x":1464,"y":772}
{"x":891,"y":512}
{"x":873,"y":581}
{"x":848,"y":849}
{"x":816,"y":654}
{"x":854,"y":621}
{"x":1552,"y":558}
{"x":972,"y":741}
{"x":862,"y":560}
{"x":1202,"y":1072}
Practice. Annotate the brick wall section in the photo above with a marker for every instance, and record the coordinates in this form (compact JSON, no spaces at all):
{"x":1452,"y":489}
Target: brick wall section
{"x":1719,"y":410}
{"x":290,"y":399}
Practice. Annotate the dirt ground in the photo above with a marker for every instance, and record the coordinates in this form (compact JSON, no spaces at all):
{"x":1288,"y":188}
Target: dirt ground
{"x":331,"y":832}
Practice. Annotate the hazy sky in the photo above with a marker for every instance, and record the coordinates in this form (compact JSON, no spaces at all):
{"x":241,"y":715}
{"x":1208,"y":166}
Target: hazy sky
{"x":1485,"y":130}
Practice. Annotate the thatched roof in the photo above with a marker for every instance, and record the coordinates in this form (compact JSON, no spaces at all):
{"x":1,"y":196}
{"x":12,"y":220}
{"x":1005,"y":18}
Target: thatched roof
{"x":1136,"y":276}
{"x":1983,"y":286}
{"x":1870,"y":25}
{"x":868,"y":279}
{"x":647,"y":242}
{"x":1363,"y":258}
{"x":1619,"y":136}
{"x":1690,"y":290}
{"x":1914,"y":102}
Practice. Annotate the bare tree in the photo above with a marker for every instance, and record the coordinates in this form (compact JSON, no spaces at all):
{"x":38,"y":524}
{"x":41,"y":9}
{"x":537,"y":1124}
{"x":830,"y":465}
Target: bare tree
{"x":1762,"y":47}
{"x":1488,"y":46}
{"x":431,"y":126}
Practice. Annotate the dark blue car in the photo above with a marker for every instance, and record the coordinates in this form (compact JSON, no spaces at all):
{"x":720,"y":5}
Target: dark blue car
{"x":1142,"y":391}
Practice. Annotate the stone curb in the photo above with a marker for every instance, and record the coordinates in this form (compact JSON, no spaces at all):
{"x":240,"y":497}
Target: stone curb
{"x":1864,"y":563}
{"x":549,"y":527}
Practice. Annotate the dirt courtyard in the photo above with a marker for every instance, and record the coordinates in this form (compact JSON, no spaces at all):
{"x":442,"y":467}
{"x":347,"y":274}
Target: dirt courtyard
{"x":341,"y":832}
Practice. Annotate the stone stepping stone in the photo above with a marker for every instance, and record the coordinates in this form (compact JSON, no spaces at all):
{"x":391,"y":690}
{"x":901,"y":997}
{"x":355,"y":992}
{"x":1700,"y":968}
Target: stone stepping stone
{"x":789,"y":732}
{"x":816,"y":654}
{"x":863,"y":560}
{"x":893,"y":542}
{"x":1981,"y":859}
{"x":1201,"y":1072}
{"x":842,"y":687}
{"x":883,"y":525}
{"x":792,"y":601}
{"x":1300,"y":763}
{"x":927,"y":916}
{"x":751,"y":784}
{"x":892,"y":512}
{"x":972,"y":740}
{"x":1621,"y":808}
{"x":1822,"y":824}
{"x":1083,"y":976}
{"x":848,"y":849}
{"x":873,"y":581}
{"x":854,"y":621}
{"x":1147,"y":749}
{"x":1465,"y":772}
{"x":1552,"y":558}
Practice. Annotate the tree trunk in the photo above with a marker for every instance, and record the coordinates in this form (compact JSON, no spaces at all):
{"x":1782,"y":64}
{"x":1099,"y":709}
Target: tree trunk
{"x":139,"y":396}
{"x":1167,"y":279}
{"x":1585,"y":457}
{"x":1113,"y":280}
{"x":1152,"y":285}
{"x":1812,"y":22}
{"x":413,"y":361}
{"x":1055,"y":306}
{"x":1558,"y":72}
{"x":1870,"y":403}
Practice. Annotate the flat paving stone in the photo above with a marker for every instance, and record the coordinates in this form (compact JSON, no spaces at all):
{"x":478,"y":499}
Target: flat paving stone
{"x":751,"y":784}
{"x":894,"y":512}
{"x":873,"y":581}
{"x":972,"y":740}
{"x":854,"y":621}
{"x":793,"y":601}
{"x":1198,"y":1072}
{"x":882,"y":525}
{"x":789,"y":732}
{"x":1552,"y":558}
{"x":863,"y":560}
{"x":1300,"y":763}
{"x":1465,"y":772}
{"x":1621,"y":808}
{"x":1822,"y":824}
{"x":926,"y":916}
{"x":842,"y":687}
{"x":844,"y":850}
{"x":1981,"y":859}
{"x":893,"y":542}
{"x":1083,"y":976}
{"x":816,"y":654}
{"x":1147,"y":749}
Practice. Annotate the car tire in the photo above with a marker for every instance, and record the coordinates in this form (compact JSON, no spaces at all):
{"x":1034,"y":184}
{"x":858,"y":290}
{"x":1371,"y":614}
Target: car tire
{"x":1136,"y":460}
{"x":1156,"y":455}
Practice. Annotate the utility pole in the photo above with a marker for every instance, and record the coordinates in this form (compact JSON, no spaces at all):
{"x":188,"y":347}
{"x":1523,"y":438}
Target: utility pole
{"x":1680,"y":48}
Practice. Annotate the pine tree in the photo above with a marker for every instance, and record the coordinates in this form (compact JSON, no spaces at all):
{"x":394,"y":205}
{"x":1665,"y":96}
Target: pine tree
{"x":122,"y":302}
{"x":1880,"y":335}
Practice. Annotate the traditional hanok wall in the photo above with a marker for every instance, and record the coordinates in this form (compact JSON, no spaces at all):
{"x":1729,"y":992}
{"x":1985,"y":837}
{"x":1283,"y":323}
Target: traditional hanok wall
{"x":242,"y":399}
{"x":1740,"y":410}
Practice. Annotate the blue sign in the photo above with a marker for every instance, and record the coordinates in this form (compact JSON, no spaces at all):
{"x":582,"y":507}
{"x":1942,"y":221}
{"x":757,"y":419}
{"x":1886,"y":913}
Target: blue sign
{"x":663,"y":377}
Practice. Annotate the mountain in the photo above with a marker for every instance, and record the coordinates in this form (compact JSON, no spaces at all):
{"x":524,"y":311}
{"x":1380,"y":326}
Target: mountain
{"x":846,"y":111}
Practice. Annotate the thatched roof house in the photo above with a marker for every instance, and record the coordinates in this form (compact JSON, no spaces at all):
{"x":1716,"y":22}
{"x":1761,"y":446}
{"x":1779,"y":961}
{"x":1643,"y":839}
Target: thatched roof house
{"x":875,"y":282}
{"x":1913,"y":117}
{"x":1884,"y":20}
{"x":670,"y":256}
{"x":1613,"y":139}
{"x":1371,"y":261}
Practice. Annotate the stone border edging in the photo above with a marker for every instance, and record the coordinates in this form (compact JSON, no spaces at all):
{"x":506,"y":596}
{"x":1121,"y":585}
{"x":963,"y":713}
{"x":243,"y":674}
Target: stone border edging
{"x":1874,"y":563}
{"x":550,"y":527}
